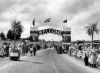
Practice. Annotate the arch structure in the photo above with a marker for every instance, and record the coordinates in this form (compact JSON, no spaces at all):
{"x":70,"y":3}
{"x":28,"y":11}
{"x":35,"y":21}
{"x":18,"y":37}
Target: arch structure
{"x":66,"y":34}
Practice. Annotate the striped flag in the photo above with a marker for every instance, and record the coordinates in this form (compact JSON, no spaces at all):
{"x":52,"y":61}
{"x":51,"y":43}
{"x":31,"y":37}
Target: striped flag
{"x":33,"y":22}
{"x":65,"y":21}
{"x":47,"y":20}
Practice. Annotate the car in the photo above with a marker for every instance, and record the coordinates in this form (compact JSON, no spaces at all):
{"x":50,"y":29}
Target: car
{"x":14,"y":54}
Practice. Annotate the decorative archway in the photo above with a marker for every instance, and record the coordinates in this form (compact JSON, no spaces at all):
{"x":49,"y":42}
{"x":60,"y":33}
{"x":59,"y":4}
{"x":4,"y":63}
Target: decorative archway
{"x":66,"y":35}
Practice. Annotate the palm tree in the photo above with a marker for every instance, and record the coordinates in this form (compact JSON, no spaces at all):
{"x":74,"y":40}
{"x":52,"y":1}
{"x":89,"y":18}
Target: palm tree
{"x":17,"y":28}
{"x":91,"y":29}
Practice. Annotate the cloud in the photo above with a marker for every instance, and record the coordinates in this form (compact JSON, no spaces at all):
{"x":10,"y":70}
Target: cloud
{"x":6,"y":4}
{"x":83,"y":18}
{"x":26,"y":29}
{"x":74,"y":6}
{"x":78,"y":12}
{"x":4,"y":26}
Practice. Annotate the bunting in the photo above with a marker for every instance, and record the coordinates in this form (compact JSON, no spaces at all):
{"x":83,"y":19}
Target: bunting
{"x":47,"y":20}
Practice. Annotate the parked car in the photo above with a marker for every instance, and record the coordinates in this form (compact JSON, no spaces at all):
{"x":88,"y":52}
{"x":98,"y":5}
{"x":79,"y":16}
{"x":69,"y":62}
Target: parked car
{"x":14,"y":54}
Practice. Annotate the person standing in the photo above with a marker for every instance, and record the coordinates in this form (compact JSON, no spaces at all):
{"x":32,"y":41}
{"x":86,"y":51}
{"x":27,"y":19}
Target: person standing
{"x":86,"y":59}
{"x":19,"y":48}
{"x":70,"y":50}
{"x":23,"y":49}
{"x":90,"y":59}
{"x":34,"y":49}
{"x":31,"y":50}
{"x":94,"y":60}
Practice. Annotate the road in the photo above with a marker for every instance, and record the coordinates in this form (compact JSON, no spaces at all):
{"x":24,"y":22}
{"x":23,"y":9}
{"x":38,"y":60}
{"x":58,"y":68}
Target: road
{"x":46,"y":61}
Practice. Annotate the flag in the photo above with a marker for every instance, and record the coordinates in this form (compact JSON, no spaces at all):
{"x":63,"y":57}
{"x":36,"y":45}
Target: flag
{"x":33,"y":22}
{"x":65,"y":21}
{"x":47,"y":20}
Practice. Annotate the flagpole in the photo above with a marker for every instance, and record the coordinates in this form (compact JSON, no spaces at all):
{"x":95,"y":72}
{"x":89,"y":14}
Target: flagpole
{"x":33,"y":22}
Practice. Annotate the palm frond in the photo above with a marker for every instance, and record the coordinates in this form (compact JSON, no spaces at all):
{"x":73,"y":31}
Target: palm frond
{"x":89,"y":31}
{"x":16,"y":26}
{"x":95,"y":29}
{"x":92,"y":28}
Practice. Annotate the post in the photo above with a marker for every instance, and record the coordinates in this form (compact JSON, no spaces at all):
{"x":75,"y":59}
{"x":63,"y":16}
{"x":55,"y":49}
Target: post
{"x":92,"y":40}
{"x":14,"y":39}
{"x":92,"y":36}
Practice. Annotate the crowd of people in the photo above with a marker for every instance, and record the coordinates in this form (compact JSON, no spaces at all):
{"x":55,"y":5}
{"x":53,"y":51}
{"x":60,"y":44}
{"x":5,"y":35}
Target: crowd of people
{"x":90,"y":56}
{"x":22,"y":47}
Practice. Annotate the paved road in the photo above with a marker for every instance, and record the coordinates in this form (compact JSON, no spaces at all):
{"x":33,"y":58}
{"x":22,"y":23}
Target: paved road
{"x":46,"y":61}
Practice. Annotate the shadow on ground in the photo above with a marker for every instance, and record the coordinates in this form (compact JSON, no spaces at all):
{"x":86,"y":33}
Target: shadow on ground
{"x":36,"y":62}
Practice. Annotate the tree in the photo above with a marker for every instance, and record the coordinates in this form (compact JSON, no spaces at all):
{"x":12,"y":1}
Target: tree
{"x":10,"y":35}
{"x":2,"y":35}
{"x":91,"y":29}
{"x":17,"y":29}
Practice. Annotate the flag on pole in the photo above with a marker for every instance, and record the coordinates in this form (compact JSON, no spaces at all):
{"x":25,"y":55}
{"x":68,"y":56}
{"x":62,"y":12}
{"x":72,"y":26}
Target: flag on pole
{"x":65,"y":21}
{"x":47,"y":20}
{"x":33,"y":22}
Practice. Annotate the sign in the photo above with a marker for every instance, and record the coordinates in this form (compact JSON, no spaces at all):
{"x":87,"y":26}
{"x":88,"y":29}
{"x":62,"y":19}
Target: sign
{"x":50,"y":30}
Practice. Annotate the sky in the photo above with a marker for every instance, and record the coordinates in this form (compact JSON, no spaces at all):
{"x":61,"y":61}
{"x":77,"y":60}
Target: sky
{"x":79,"y":14}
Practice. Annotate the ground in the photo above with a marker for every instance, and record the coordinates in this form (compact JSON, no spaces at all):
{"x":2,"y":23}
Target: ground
{"x":46,"y":61}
